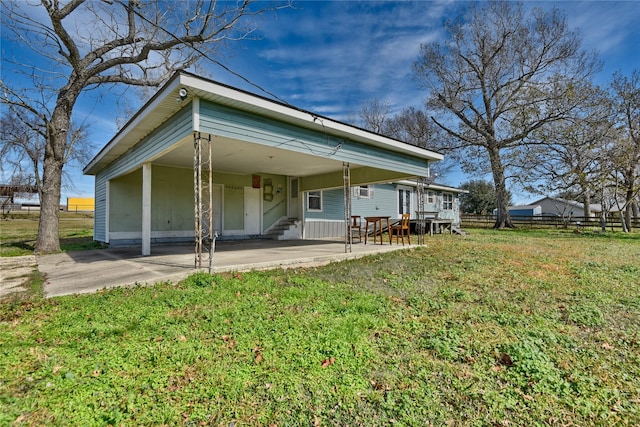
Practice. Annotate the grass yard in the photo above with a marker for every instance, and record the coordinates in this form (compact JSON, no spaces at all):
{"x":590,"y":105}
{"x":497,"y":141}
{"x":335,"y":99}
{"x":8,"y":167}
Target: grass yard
{"x":509,"y":328}
{"x":18,"y":233}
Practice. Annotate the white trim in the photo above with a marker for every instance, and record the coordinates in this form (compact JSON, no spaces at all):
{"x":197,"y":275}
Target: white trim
{"x":120,"y":235}
{"x":307,"y":193}
{"x":195,"y":114}
{"x":234,"y":233}
{"x":146,"y":209}
{"x":453,"y":199}
{"x":107,"y":208}
{"x":409,"y":190}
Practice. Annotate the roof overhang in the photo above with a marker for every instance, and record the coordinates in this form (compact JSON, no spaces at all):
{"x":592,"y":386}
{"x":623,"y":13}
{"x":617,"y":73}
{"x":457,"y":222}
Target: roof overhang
{"x":168,"y":101}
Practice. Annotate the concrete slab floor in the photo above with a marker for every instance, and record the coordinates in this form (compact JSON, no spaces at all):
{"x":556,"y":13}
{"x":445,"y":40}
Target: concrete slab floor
{"x":89,"y":271}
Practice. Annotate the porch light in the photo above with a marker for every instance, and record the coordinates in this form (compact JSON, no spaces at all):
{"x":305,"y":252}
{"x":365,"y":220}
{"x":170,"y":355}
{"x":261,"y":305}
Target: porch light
{"x":182,"y":94}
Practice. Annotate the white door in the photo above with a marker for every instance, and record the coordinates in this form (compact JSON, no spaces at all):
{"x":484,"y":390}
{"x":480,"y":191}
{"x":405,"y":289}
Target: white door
{"x":252,"y":211}
{"x":404,"y":201}
{"x":294,"y":200}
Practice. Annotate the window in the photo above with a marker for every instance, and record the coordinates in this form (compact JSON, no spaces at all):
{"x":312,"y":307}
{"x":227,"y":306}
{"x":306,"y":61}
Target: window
{"x":363,"y":192}
{"x":447,"y":201}
{"x":314,"y":201}
{"x":404,"y":201}
{"x":431,"y":197}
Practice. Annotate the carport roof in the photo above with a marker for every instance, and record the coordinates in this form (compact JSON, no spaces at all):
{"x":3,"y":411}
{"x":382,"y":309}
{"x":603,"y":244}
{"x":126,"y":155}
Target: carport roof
{"x":167,"y":102}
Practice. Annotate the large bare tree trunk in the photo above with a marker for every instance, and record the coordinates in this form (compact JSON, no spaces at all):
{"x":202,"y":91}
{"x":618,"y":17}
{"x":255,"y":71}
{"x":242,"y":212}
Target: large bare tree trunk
{"x":503,"y":218}
{"x":54,"y":158}
{"x":628,"y":211}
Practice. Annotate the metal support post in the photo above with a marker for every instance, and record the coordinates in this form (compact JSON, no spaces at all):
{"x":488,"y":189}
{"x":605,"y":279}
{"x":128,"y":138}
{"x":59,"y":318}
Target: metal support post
{"x":203,"y":200}
{"x":420,"y":225}
{"x":346,"y":188}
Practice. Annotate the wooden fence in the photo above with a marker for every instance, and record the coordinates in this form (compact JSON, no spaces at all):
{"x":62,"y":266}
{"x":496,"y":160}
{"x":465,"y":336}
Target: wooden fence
{"x":613,"y":222}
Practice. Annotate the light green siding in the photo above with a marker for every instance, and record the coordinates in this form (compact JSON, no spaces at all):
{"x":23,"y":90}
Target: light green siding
{"x":332,"y":206}
{"x":276,"y":208}
{"x":224,"y":121}
{"x":171,"y":200}
{"x":178,"y":127}
{"x":330,"y":222}
{"x":100,"y":214}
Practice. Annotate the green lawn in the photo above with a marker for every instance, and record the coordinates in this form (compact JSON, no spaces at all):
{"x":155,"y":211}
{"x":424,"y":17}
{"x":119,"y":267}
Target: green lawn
{"x":509,"y":328}
{"x":18,"y":233}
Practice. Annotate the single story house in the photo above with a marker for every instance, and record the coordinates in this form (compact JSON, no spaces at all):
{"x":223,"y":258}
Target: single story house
{"x":554,"y":206}
{"x":323,"y":217}
{"x":151,"y":181}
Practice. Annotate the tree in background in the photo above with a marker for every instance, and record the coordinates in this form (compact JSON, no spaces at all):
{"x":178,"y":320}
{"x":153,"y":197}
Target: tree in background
{"x":22,"y":148}
{"x":624,"y":155}
{"x":499,"y":77}
{"x":64,"y":49}
{"x":411,"y":125}
{"x":480,"y":199}
{"x":565,"y":157}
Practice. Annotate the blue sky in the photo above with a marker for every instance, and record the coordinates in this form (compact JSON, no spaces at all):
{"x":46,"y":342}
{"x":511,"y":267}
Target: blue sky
{"x":330,"y":57}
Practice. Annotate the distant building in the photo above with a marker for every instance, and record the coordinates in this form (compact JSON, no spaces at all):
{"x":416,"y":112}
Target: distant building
{"x":81,"y":204}
{"x":528,"y":210}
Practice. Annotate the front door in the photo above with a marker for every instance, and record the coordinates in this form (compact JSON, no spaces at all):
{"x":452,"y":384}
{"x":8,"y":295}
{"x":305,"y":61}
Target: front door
{"x":294,"y":200}
{"x":252,"y":211}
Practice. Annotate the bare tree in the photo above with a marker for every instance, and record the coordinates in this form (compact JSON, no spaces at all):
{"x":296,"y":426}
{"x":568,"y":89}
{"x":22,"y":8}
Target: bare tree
{"x":625,"y":155}
{"x":566,"y":156}
{"x":83,"y":45}
{"x":412,"y":126}
{"x":499,"y":77}
{"x":22,"y":148}
{"x":374,"y":114}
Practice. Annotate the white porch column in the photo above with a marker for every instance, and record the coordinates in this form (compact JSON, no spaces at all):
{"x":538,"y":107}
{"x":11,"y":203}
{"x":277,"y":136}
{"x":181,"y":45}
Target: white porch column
{"x":146,"y":209}
{"x":107,"y":210}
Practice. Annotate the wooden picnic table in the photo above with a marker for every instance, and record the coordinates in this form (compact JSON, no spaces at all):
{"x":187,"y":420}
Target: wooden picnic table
{"x":375,"y":220}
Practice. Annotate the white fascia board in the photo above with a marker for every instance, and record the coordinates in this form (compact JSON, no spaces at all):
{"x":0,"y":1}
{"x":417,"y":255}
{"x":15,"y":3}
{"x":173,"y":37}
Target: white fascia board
{"x":434,"y":187}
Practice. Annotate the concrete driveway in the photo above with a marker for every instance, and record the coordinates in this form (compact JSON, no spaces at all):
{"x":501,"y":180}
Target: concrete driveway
{"x":88,"y":271}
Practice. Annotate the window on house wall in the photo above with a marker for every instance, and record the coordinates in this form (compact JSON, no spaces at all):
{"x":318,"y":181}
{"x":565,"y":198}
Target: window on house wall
{"x":363,"y":192}
{"x":447,"y":201}
{"x":404,"y":201}
{"x":314,"y":201}
{"x":431,"y":197}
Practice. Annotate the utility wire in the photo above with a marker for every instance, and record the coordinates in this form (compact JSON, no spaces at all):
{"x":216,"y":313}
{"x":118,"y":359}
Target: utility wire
{"x":205,"y":55}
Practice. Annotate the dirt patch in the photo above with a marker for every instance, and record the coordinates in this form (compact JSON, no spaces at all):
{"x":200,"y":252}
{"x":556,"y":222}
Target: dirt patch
{"x":15,"y":272}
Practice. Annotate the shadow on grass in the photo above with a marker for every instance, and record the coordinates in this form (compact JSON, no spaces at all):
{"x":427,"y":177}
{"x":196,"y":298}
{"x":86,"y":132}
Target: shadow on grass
{"x":26,"y":247}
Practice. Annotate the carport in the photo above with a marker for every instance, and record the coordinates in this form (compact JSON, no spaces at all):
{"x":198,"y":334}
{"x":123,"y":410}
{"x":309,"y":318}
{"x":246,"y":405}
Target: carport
{"x":204,"y":159}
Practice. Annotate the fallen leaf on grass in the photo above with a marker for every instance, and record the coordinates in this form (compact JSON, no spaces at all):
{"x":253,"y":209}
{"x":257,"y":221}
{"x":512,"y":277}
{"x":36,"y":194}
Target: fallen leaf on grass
{"x":607,"y":346}
{"x":328,"y":362}
{"x":258,"y":353}
{"x":377,"y":385}
{"x":505,"y":360}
